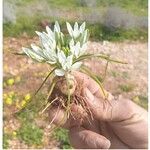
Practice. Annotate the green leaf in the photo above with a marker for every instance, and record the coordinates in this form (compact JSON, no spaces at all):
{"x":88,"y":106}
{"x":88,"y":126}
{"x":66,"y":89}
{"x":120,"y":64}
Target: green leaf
{"x":88,"y":72}
{"x":106,"y":57}
{"x":22,"y":54}
{"x":45,"y":80}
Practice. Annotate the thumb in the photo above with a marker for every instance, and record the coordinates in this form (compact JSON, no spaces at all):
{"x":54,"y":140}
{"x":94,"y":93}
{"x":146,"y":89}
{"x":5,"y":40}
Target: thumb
{"x":81,"y":138}
{"x":100,"y":108}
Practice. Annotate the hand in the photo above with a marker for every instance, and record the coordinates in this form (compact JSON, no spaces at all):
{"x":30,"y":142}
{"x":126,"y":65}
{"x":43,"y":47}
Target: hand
{"x":116,"y":123}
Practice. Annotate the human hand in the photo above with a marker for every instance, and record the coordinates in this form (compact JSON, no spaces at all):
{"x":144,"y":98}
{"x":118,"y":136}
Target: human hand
{"x":116,"y":123}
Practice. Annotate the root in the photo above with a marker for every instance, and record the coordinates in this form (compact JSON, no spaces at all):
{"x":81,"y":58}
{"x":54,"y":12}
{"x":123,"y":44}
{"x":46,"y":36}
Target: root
{"x":64,"y":101}
{"x":48,"y":105}
{"x":85,"y":107}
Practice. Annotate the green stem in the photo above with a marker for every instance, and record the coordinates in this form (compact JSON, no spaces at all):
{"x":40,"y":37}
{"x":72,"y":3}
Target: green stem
{"x":106,"y":57}
{"x":105,"y":71}
{"x":88,"y":72}
{"x":48,"y":105}
{"x":44,"y":81}
{"x":68,"y":94}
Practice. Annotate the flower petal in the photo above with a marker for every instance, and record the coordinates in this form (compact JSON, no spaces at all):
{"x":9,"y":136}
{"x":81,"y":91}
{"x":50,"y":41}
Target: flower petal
{"x":83,"y":49}
{"x":61,"y":57}
{"x":76,"y":65}
{"x":51,"y":62}
{"x":71,"y":43}
{"x":69,"y":61}
{"x":77,"y":49}
{"x":76,"y":27}
{"x":69,"y":28}
{"x":56,"y":27}
{"x":59,"y":72}
{"x":82,"y":27}
{"x":33,"y":55}
{"x":50,"y":32}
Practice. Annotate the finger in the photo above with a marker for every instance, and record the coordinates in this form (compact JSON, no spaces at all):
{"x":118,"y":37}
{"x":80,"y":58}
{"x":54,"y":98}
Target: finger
{"x":59,"y":117}
{"x":86,"y":139}
{"x":86,"y":81}
{"x":100,"y":108}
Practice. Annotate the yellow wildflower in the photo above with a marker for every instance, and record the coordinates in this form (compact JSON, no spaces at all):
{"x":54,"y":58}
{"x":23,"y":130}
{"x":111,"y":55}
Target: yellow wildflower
{"x":4,"y":95}
{"x":14,"y":133}
{"x":27,"y":97}
{"x":10,"y":81}
{"x":23,"y":103}
{"x":8,"y":101}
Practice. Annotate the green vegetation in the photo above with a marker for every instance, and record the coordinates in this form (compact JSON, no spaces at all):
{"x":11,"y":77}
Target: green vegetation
{"x":126,"y":87}
{"x":144,"y":101}
{"x":125,"y":75}
{"x":141,"y":100}
{"x":6,"y":138}
{"x":29,"y":25}
{"x":23,"y":25}
{"x":115,"y":74}
{"x":30,"y":134}
{"x":101,"y":32}
{"x":61,"y":135}
{"x":138,"y":7}
{"x":29,"y":113}
{"x":63,"y":3}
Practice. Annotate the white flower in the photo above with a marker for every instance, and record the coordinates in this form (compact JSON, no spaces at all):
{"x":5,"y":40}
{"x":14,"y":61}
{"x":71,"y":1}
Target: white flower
{"x":59,"y":72}
{"x":33,"y":54}
{"x":77,"y":49}
{"x":66,"y":63}
{"x":46,"y":41}
{"x":56,"y":27}
{"x":76,"y":31}
{"x":76,"y":65}
{"x":56,"y":50}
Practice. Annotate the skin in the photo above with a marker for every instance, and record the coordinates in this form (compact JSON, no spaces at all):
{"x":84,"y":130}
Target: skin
{"x":117,"y":123}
